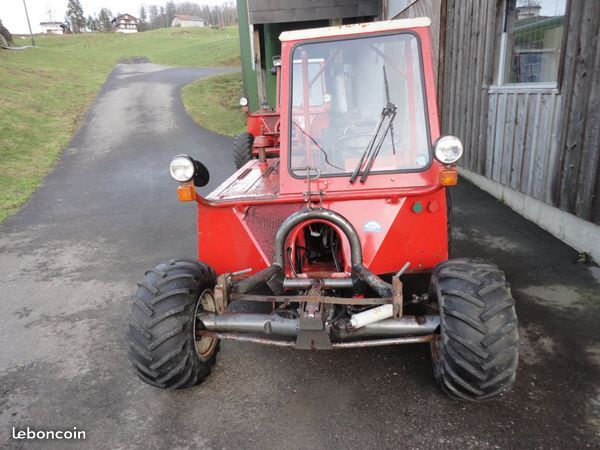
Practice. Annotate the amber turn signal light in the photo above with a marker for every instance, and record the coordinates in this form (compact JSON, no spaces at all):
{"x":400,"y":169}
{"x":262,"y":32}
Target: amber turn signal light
{"x":186,"y":193}
{"x":448,"y":177}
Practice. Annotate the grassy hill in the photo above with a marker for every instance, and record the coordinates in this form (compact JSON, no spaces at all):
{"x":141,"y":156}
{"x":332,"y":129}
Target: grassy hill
{"x":45,"y":91}
{"x":214,"y":103}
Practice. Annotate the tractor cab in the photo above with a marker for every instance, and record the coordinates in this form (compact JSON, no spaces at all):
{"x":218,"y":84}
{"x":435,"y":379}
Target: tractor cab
{"x":360,"y":111}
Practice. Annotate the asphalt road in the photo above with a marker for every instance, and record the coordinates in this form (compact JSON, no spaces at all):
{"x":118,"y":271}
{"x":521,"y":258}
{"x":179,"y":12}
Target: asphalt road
{"x":71,"y":257}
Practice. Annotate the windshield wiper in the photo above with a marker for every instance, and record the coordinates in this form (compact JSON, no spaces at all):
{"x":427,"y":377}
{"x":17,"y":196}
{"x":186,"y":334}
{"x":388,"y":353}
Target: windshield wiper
{"x":387,"y":116}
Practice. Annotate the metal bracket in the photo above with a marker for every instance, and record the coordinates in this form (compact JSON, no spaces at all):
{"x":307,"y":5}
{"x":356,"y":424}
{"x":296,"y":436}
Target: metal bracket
{"x":397,"y":297}
{"x":220,"y":292}
{"x":312,"y":335}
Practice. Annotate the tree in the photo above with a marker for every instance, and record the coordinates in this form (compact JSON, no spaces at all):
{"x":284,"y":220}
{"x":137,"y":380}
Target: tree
{"x":5,"y":34}
{"x":143,"y":17}
{"x":104,"y":18}
{"x":67,"y":23}
{"x":170,"y":11}
{"x":93,"y":23}
{"x":153,"y":10}
{"x":162,"y":22}
{"x":75,"y":15}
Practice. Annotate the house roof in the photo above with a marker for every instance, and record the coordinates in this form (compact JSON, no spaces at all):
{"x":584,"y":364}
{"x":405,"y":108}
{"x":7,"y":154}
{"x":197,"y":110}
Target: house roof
{"x":123,"y":15}
{"x":189,"y":18}
{"x":60,"y":24}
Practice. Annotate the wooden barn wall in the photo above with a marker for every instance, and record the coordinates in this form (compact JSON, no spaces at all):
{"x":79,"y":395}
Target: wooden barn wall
{"x":544,"y":144}
{"x":577,"y":187}
{"x":468,"y":70}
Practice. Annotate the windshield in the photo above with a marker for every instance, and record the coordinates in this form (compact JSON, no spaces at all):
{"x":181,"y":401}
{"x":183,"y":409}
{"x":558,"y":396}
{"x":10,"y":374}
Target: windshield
{"x":358,"y":107}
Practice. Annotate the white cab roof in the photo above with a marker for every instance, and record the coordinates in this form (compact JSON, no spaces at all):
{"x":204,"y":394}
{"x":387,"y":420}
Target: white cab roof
{"x":341,"y":30}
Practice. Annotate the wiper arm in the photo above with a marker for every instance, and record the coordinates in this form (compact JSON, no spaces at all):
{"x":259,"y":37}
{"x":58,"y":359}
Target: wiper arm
{"x":387,"y":99}
{"x":372,"y":149}
{"x":391,"y":115}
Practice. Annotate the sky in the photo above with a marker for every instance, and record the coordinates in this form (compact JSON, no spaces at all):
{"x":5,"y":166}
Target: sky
{"x":12,"y":12}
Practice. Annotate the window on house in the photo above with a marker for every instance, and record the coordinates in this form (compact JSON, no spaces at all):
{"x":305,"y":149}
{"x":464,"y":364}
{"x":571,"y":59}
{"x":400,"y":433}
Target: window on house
{"x":532,"y":41}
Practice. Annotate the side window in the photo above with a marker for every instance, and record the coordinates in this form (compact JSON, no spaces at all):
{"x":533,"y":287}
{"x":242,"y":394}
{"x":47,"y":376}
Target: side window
{"x":531,"y":41}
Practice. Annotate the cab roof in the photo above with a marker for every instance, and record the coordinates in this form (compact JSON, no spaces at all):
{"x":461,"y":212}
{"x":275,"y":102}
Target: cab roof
{"x":355,"y":28}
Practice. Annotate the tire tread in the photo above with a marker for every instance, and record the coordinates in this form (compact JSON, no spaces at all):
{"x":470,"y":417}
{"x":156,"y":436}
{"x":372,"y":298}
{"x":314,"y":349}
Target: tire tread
{"x":161,"y":345}
{"x":478,"y":349}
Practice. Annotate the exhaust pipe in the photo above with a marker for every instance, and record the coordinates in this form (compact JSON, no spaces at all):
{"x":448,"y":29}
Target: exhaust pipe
{"x":249,"y":323}
{"x":272,"y":324}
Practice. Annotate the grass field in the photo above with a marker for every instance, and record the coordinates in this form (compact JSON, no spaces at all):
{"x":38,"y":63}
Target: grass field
{"x":214,"y":103}
{"x":45,"y":91}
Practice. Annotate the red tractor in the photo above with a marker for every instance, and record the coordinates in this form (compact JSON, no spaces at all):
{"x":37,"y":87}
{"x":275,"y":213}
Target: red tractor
{"x":341,"y":239}
{"x":261,"y":140}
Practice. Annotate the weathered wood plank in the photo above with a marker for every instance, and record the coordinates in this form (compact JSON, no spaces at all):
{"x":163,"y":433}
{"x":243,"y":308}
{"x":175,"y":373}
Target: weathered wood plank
{"x":499,"y":137}
{"x":472,"y":64}
{"x":442,"y":54}
{"x":458,"y":94}
{"x":448,"y":72}
{"x":492,"y":115}
{"x":542,"y":150}
{"x":552,"y":161}
{"x":488,"y":69}
{"x":479,"y":37}
{"x":590,"y":157}
{"x":509,"y":139}
{"x":570,"y":66}
{"x":519,"y":141}
{"x":528,"y":143}
{"x":534,"y":144}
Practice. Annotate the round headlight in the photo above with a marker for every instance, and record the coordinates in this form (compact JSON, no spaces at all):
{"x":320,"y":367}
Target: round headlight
{"x":448,"y":149}
{"x":182,"y":168}
{"x":243,"y":101}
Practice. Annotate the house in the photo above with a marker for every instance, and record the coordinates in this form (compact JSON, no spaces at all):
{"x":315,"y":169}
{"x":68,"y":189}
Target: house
{"x":125,"y":23}
{"x":181,"y":20}
{"x":517,"y":82}
{"x":54,"y":28}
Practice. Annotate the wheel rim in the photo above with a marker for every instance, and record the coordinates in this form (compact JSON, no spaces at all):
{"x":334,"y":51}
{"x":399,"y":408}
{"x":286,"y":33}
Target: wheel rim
{"x":204,"y":345}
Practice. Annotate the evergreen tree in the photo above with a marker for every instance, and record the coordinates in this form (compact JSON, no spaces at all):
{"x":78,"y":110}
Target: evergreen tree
{"x":104,"y":18}
{"x":75,"y":15}
{"x":67,"y":23}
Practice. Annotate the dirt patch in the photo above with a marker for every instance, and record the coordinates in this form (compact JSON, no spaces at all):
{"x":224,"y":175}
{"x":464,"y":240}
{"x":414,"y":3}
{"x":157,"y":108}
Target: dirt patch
{"x":534,"y":345}
{"x":485,"y":239}
{"x":557,"y":295}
